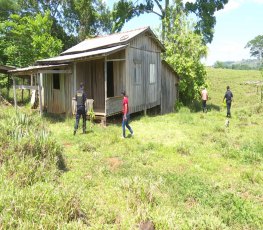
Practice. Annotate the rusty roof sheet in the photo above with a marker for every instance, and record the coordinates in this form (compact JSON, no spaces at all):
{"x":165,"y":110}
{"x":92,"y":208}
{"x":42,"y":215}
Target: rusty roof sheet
{"x":109,"y":40}
{"x":4,"y":69}
{"x":31,"y":69}
{"x":80,"y":56}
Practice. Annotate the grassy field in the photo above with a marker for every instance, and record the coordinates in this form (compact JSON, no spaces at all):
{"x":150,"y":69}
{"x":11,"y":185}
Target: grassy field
{"x":183,"y":170}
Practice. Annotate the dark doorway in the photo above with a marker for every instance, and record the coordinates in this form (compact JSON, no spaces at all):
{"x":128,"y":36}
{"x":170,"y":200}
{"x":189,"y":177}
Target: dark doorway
{"x":110,"y":83}
{"x":56,"y":82}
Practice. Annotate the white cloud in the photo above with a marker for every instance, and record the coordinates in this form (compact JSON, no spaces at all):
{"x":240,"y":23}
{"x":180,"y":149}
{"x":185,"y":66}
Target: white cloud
{"x":226,"y":51}
{"x":231,"y":5}
{"x":257,"y":1}
{"x":234,"y":4}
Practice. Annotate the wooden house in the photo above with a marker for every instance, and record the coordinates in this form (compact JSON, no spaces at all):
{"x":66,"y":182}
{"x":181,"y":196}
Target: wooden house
{"x":128,"y":60}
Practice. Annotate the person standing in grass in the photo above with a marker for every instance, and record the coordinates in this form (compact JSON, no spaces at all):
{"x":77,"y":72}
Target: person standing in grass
{"x":126,"y":115}
{"x":204,"y":95}
{"x":229,"y":97}
{"x":81,"y":98}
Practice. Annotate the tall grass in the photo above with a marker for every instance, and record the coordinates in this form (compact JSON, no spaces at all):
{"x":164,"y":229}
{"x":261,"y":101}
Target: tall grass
{"x":184,"y":170}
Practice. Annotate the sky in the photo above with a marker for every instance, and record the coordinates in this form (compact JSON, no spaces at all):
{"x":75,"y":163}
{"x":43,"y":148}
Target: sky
{"x":239,"y":22}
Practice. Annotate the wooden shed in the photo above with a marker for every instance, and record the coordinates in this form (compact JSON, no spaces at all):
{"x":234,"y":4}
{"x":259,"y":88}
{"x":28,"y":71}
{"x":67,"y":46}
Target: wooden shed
{"x":128,"y":60}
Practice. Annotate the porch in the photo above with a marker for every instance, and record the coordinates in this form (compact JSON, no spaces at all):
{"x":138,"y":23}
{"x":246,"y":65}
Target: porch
{"x":113,"y":106}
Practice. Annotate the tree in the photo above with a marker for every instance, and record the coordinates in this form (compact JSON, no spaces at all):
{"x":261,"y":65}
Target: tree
{"x":256,"y":48}
{"x":6,"y":8}
{"x":203,"y":9}
{"x":27,"y":39}
{"x":219,"y":64}
{"x":184,"y":50}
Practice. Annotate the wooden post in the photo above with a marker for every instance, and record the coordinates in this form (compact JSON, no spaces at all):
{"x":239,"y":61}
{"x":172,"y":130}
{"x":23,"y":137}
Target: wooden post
{"x":23,"y":82}
{"x":103,"y":121}
{"x":14,"y":88}
{"x":40,"y":94}
{"x":8,"y":85}
{"x":105,"y":82}
{"x":31,"y":84}
{"x":74,"y":78}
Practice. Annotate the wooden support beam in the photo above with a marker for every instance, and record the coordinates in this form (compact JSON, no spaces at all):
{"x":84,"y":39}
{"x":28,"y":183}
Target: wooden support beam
{"x":14,"y":88}
{"x":55,"y":71}
{"x":40,"y":93}
{"x":105,"y":83}
{"x":109,"y":60}
{"x":74,"y":78}
{"x":26,"y":87}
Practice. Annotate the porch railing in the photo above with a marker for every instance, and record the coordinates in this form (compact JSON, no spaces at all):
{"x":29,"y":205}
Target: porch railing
{"x":88,"y":104}
{"x":113,"y":105}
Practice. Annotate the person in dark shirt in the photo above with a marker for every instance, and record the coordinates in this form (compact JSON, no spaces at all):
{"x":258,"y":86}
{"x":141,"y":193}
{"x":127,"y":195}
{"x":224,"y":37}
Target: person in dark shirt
{"x":81,"y":109}
{"x":229,"y":97}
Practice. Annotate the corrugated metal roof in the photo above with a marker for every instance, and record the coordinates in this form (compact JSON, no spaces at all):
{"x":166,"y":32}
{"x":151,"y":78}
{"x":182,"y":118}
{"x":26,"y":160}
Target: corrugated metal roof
{"x":109,"y":40}
{"x":79,"y":56}
{"x":32,"y":68}
{"x":4,"y":69}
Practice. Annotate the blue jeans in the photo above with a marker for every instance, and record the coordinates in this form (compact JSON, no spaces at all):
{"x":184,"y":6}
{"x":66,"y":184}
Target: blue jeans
{"x":126,"y":123}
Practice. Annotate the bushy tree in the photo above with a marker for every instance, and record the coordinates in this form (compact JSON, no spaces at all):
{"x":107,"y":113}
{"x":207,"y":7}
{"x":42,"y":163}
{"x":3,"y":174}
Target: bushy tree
{"x":27,"y":39}
{"x":256,"y":47}
{"x":204,"y":11}
{"x":7,"y":7}
{"x":184,"y":50}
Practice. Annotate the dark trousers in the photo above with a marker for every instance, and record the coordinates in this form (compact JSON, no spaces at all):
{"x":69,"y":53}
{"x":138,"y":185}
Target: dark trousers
{"x":81,"y":112}
{"x":228,"y":107}
{"x":125,"y":123}
{"x":204,"y":105}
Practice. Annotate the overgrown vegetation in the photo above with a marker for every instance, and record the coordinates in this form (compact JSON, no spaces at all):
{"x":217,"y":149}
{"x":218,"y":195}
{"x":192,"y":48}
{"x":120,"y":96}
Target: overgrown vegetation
{"x":180,"y":171}
{"x":184,"y":50}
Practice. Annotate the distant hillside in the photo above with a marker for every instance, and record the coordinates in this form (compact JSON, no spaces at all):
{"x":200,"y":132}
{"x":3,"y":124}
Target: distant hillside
{"x":245,"y":64}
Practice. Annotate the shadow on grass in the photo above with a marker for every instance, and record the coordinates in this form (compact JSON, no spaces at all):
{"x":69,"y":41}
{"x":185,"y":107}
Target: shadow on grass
{"x":213,"y":107}
{"x":196,"y":106}
{"x":54,"y":118}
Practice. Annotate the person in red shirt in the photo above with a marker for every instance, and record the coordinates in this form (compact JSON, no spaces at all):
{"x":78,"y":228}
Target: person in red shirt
{"x":126,"y":115}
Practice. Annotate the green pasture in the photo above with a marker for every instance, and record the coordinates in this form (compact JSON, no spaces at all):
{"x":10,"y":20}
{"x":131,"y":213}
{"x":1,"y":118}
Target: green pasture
{"x":183,"y":170}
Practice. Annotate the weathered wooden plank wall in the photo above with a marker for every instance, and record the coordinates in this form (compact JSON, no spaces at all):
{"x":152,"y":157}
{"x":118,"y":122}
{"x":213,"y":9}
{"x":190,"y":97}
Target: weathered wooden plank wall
{"x":169,"y":89}
{"x":143,"y":51}
{"x":57,"y":100}
{"x":118,"y":71}
{"x":91,"y":73}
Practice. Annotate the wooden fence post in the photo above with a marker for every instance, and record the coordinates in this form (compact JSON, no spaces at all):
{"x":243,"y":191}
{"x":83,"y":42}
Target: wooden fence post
{"x":14,"y":88}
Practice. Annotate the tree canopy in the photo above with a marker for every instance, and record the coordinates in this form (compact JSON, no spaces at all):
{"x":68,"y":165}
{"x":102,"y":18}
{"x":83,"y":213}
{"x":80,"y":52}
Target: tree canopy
{"x":184,"y":50}
{"x":20,"y":49}
{"x":36,"y":29}
{"x":256,"y":47}
{"x":203,"y":10}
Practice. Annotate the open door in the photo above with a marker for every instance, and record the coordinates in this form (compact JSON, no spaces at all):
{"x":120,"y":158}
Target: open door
{"x":110,"y":82}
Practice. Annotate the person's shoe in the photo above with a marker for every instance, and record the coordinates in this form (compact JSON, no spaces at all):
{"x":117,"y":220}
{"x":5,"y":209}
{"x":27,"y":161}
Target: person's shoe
{"x":132,"y":134}
{"x":74,"y":132}
{"x":122,"y":137}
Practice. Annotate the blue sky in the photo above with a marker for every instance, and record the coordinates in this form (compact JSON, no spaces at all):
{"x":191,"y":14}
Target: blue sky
{"x":238,"y":23}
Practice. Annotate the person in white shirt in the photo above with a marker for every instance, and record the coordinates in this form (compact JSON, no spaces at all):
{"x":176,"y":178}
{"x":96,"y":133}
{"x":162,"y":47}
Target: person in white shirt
{"x":204,"y":99}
